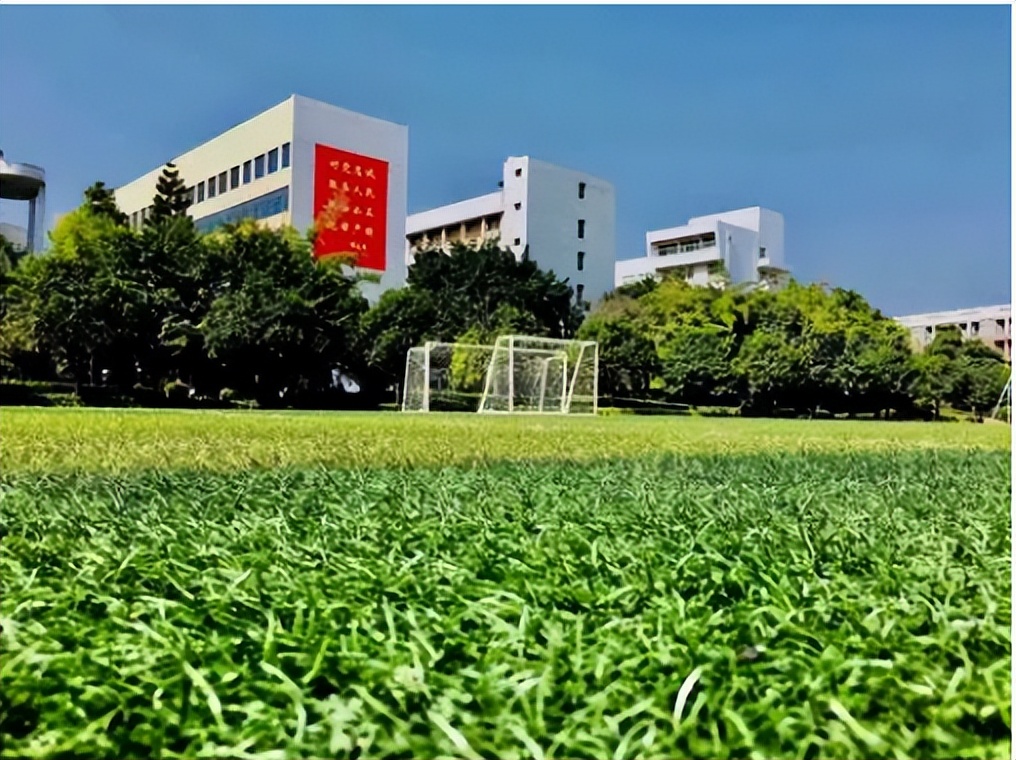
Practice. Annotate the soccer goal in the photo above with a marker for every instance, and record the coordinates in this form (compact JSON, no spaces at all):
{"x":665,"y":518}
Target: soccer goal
{"x":445,"y":377}
{"x":519,"y":374}
{"x":534,"y":375}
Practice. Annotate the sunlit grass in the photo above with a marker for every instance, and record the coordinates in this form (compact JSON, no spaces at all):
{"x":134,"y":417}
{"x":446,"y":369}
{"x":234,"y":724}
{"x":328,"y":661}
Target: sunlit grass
{"x":47,"y":440}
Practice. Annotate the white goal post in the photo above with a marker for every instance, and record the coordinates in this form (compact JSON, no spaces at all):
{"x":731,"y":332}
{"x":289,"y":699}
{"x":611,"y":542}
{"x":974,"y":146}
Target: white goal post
{"x":519,"y":374}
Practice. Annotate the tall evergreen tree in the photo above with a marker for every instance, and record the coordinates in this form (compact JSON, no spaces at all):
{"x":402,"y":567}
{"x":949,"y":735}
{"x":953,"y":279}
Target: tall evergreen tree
{"x":100,"y":200}
{"x":171,"y":197}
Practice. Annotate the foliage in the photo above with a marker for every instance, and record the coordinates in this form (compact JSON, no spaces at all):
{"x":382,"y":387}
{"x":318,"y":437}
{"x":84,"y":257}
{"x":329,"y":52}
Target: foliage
{"x":277,"y":320}
{"x":801,"y":349}
{"x":448,"y":294}
{"x":628,"y":360}
{"x":469,"y":286}
{"x":101,"y":201}
{"x":171,"y":198}
{"x":251,"y":310}
{"x":807,"y":604}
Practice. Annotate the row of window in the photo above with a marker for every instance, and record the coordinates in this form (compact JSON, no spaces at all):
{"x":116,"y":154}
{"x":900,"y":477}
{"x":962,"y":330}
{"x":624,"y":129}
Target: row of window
{"x":262,"y":207}
{"x":255,"y":168}
{"x":252,"y":169}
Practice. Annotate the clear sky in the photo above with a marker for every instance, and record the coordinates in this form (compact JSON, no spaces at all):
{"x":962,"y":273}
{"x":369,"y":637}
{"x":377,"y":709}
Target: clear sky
{"x":882,"y":134}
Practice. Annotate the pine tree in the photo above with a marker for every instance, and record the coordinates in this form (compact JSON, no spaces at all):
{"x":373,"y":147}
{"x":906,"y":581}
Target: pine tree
{"x":171,"y":197}
{"x":100,"y":200}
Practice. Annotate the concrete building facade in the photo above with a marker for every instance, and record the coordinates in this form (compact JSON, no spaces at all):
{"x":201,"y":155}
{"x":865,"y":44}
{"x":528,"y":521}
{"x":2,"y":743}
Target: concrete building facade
{"x":747,"y":243}
{"x":25,"y":182}
{"x":565,"y":218}
{"x":301,"y":163}
{"x":992,"y":325}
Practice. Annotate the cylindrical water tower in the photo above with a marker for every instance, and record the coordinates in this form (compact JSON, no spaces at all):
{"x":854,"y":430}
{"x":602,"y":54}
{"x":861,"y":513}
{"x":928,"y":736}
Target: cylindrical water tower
{"x":25,"y":182}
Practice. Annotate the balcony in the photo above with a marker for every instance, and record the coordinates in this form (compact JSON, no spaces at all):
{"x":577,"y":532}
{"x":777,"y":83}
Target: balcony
{"x":679,"y":254}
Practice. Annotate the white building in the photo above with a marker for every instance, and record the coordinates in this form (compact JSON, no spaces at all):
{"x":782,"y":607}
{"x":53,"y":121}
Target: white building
{"x":748,"y":243}
{"x":565,"y":218}
{"x":298,"y":163}
{"x":991,"y":325}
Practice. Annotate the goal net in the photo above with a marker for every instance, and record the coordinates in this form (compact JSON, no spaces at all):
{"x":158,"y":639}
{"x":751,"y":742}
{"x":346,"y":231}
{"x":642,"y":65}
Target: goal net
{"x":518,"y":374}
{"x":445,"y":377}
{"x":541,"y":375}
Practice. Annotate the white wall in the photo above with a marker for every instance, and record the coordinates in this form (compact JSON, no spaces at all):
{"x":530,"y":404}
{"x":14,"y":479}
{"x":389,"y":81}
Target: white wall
{"x":771,"y":237}
{"x":269,"y":129}
{"x":740,"y":251}
{"x":454,"y":213}
{"x":316,"y":122}
{"x":552,"y":209}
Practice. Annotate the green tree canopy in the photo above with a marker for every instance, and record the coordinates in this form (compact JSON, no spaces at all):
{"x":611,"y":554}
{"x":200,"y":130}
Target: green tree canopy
{"x":171,"y":197}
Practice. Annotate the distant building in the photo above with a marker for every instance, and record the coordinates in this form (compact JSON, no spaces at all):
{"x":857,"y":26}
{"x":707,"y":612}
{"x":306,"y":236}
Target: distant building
{"x":301,"y":162}
{"x":15,"y":235}
{"x":25,"y":182}
{"x":747,"y":244}
{"x":564,"y":218}
{"x":992,"y":325}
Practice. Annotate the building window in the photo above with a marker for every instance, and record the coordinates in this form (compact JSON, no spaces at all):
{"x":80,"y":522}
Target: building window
{"x":518,"y":172}
{"x":222,"y":183}
{"x":201,"y":191}
{"x":518,"y":241}
{"x":246,"y":172}
{"x":518,"y":206}
{"x":134,"y":220}
{"x":234,"y":178}
{"x":190,"y":196}
{"x":579,"y":289}
{"x":271,"y":204}
{"x":273,"y":160}
{"x":285,"y":155}
{"x":259,"y":166}
{"x":762,"y":252}
{"x":975,"y":328}
{"x":211,"y":187}
{"x":582,"y":190}
{"x":581,"y":260}
{"x":582,"y":228}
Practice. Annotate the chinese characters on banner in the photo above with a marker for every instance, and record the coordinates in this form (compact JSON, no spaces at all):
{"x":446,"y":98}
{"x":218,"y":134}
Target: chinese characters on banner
{"x":350,"y":206}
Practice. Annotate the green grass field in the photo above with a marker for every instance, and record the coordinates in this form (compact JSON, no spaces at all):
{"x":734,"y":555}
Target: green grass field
{"x":334,"y":585}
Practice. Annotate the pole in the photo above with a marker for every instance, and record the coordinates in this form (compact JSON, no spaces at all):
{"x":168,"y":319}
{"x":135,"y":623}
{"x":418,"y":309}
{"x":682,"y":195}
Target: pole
{"x":511,"y":373}
{"x":426,"y":377}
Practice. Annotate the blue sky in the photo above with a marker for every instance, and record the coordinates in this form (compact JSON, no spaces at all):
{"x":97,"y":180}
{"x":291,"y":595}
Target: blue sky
{"x":882,"y":134}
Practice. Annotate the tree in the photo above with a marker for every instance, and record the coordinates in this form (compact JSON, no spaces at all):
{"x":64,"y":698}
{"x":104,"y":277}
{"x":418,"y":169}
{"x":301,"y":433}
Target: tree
{"x":278,"y":320}
{"x":400,"y":319}
{"x":695,"y":364}
{"x":628,"y":360}
{"x":101,"y":201}
{"x":468,"y":285}
{"x":171,"y":196}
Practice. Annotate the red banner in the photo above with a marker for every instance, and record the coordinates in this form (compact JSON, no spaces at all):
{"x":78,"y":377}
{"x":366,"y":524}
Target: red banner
{"x":350,"y":206}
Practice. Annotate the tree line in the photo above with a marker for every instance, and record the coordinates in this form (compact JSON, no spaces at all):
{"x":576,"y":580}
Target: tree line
{"x":245,"y":312}
{"x":801,"y":350}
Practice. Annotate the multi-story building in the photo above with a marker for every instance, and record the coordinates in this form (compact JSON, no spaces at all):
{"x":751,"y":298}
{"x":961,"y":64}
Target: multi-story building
{"x":991,"y":325}
{"x":300,"y":163}
{"x":747,"y":244}
{"x":563,"y":218}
